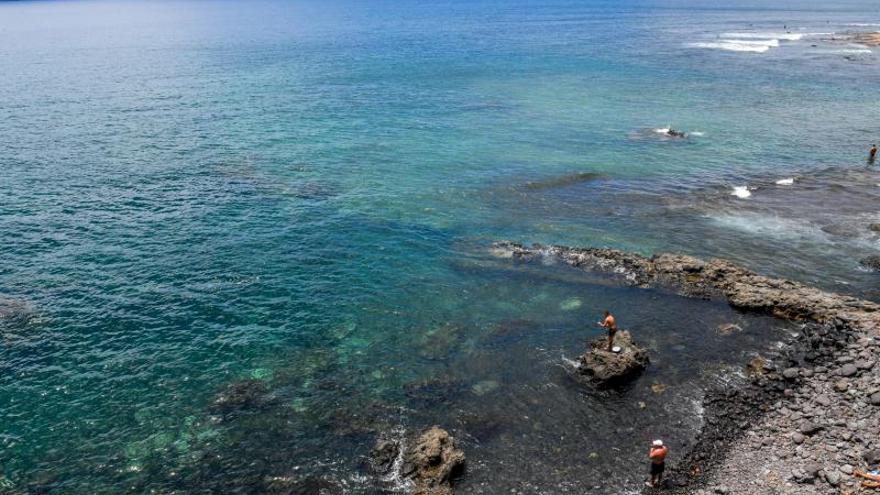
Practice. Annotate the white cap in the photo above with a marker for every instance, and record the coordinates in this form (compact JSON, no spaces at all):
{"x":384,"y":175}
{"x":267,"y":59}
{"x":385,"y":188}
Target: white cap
{"x":658,"y":443}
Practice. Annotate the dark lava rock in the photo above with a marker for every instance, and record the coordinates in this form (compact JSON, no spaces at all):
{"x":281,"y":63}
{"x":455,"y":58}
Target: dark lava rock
{"x":384,"y":454}
{"x":242,"y":395}
{"x":607,"y":368}
{"x":874,"y":227}
{"x":790,"y":373}
{"x":872,"y":262}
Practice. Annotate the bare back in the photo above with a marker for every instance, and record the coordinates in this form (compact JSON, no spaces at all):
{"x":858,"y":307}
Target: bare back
{"x":610,"y":323}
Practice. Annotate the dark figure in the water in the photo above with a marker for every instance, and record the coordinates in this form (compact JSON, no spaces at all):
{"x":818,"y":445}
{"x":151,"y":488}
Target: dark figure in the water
{"x":676,"y":134}
{"x":872,"y":154}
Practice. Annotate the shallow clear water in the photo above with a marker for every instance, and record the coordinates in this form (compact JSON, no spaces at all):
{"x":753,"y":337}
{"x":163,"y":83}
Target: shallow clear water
{"x":303,"y":193}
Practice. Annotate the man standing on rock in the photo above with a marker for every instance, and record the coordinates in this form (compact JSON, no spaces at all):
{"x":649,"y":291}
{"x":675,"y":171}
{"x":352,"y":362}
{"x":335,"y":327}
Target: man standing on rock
{"x":611,"y":324}
{"x":658,"y":462}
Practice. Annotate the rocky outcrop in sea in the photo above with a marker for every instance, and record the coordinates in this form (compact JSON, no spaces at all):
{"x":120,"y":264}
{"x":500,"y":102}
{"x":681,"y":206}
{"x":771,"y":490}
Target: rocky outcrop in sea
{"x":608,"y":368}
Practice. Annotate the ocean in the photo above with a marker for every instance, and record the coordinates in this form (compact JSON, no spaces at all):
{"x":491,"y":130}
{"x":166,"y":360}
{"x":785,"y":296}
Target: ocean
{"x":301,"y":197}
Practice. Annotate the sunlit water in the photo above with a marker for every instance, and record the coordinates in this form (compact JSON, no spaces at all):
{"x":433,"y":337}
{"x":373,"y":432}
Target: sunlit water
{"x":303,"y":194}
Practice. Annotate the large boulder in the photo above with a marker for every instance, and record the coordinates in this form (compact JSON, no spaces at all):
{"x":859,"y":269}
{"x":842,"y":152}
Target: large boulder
{"x":432,"y":462}
{"x":607,"y":368}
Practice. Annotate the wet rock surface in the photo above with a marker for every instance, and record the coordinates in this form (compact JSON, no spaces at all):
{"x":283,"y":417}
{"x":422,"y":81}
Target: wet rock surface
{"x":428,"y":464}
{"x":807,"y":419}
{"x":606,"y":368}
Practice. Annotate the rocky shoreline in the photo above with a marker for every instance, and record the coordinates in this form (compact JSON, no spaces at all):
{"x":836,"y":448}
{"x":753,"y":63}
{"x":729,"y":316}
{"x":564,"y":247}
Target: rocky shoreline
{"x":809,"y":415}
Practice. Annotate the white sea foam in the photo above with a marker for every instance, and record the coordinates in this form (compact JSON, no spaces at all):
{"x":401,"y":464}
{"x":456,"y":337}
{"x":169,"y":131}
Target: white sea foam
{"x":770,"y":226}
{"x":785,"y":182}
{"x":741,"y":191}
{"x":697,"y":133}
{"x":864,"y":24}
{"x":853,"y":48}
{"x":848,"y":51}
{"x":732,"y":46}
{"x":754,"y":42}
{"x":662,"y":130}
{"x":395,"y":478}
{"x":768,"y":36}
{"x":569,"y":363}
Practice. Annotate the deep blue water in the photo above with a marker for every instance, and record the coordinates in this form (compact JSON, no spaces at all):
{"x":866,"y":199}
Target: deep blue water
{"x":303,"y":194}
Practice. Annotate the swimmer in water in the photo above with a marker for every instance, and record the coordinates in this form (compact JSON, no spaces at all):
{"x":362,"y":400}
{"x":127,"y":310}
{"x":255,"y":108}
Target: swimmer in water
{"x":872,"y":154}
{"x":611,"y":324}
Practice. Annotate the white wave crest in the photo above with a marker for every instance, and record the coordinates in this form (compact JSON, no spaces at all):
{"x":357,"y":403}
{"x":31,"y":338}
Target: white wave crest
{"x":733,"y":46}
{"x":768,"y":36}
{"x":785,"y":182}
{"x":741,"y":191}
{"x":847,"y":51}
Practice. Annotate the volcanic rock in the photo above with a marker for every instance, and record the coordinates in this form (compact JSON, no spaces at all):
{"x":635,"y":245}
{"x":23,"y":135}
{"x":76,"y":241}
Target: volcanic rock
{"x":608,"y":368}
{"x":432,"y":463}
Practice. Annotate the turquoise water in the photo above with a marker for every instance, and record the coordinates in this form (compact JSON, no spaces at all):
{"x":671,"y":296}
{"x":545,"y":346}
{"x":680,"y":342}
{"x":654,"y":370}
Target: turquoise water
{"x":304,"y":193}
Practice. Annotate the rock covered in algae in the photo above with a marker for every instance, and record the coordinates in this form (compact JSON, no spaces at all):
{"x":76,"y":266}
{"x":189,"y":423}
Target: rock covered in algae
{"x":607,"y":368}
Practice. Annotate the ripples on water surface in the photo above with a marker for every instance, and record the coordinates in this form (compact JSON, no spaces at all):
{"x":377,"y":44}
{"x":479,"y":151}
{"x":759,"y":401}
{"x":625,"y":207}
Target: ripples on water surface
{"x":295,"y":199}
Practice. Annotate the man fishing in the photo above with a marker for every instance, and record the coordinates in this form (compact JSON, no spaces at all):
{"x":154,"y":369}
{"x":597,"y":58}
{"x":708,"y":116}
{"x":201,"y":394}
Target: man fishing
{"x":611,"y":325}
